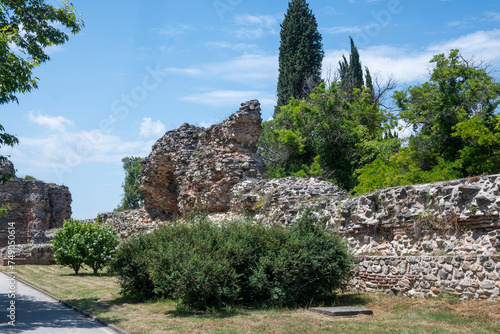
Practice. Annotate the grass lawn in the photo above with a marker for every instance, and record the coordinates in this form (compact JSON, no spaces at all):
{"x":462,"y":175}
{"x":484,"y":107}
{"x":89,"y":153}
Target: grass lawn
{"x":100,"y":296}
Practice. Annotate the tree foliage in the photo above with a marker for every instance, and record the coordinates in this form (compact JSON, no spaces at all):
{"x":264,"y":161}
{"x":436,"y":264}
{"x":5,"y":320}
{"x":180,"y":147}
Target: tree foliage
{"x":300,"y":53}
{"x":77,"y":243}
{"x":333,"y":133}
{"x":132,"y":197}
{"x":456,"y":130}
{"x":27,"y":28}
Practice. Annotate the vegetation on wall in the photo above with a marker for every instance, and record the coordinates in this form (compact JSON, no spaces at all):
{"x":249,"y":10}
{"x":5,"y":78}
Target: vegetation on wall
{"x":456,"y":129}
{"x":335,"y":132}
{"x":343,"y":133}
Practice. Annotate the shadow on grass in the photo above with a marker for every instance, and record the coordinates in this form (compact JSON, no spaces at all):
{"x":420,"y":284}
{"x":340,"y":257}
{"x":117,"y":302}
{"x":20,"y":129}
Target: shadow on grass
{"x":218,"y":314}
{"x":94,"y":306}
{"x":352,"y":299}
{"x":87,"y":274}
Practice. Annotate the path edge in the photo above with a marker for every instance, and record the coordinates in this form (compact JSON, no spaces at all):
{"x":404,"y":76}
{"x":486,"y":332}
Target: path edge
{"x":72,"y":307}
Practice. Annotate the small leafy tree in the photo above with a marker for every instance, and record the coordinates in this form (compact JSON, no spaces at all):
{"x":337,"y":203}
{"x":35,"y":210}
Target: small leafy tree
{"x":132,"y":197}
{"x":101,"y":243}
{"x":69,"y":245}
{"x":78,"y":243}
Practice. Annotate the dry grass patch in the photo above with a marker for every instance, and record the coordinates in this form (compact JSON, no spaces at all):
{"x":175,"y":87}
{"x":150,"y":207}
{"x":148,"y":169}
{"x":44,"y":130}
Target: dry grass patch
{"x":100,"y":296}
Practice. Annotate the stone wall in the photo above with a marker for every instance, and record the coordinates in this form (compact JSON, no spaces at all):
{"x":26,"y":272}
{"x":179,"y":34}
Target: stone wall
{"x":193,"y":168}
{"x":35,"y":207}
{"x":466,"y":276}
{"x":452,"y":217}
{"x":130,"y":222}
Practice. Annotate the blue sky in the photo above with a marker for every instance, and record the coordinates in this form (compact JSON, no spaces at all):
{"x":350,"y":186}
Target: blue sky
{"x":140,"y":68}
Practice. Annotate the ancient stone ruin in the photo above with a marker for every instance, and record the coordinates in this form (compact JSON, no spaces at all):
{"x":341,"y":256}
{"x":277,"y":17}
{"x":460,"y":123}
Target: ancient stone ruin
{"x":421,"y":240}
{"x":35,"y":208}
{"x":193,"y":168}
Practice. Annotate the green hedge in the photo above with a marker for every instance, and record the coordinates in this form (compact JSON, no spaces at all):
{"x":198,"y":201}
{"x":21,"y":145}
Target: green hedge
{"x":204,"y":266}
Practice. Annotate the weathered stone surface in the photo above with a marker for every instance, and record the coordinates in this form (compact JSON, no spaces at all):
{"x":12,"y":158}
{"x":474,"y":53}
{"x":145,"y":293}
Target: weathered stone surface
{"x":130,"y":222}
{"x":31,"y":253}
{"x":417,"y":279}
{"x":165,"y":168}
{"x":226,"y":155}
{"x":35,"y":207}
{"x":7,"y":168}
{"x":279,"y":200}
{"x":194,"y":168}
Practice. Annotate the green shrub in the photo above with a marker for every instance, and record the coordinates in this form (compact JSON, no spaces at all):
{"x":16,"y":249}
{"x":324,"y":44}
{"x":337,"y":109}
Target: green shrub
{"x":101,"y":242}
{"x":77,"y":243}
{"x":130,"y":263}
{"x":205,"y":266}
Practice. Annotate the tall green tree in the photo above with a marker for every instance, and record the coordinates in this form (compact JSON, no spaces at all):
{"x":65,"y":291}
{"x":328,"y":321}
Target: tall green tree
{"x":333,"y":133}
{"x":132,"y":197}
{"x":455,"y":123}
{"x":454,"y":92}
{"x":27,"y":28}
{"x":300,"y":53}
{"x":351,"y":73}
{"x":327,"y":135}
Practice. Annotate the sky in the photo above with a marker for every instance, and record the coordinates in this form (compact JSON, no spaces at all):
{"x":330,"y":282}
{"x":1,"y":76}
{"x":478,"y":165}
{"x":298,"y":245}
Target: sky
{"x":141,"y":68}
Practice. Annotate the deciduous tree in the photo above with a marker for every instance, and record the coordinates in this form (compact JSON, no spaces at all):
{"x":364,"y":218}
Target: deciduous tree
{"x":132,"y":197}
{"x":27,"y":28}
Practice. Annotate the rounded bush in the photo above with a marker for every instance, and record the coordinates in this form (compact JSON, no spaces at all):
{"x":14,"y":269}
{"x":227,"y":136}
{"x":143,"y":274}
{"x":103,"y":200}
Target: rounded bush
{"x":77,"y":243}
{"x":205,"y":266}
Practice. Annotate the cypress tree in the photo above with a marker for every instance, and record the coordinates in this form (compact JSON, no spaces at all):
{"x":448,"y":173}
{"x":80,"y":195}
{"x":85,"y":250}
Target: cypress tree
{"x":351,"y":73}
{"x":355,"y":67}
{"x":301,"y":53}
{"x":369,"y":84}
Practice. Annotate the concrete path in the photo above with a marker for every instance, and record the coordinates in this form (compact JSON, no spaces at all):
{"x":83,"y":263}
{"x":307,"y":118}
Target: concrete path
{"x":34,"y":312}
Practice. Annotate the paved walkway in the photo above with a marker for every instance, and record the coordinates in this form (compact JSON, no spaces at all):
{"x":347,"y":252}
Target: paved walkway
{"x":37,"y":313}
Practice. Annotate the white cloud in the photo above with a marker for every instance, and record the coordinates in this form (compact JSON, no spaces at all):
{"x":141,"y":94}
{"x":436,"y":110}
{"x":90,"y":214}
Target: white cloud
{"x":150,"y":128}
{"x":62,"y":151}
{"x":255,"y":26}
{"x":56,"y":123}
{"x":249,"y":67}
{"x":188,"y":71}
{"x":493,"y":16}
{"x":229,"y":98}
{"x":255,"y":69}
{"x":349,"y":30}
{"x":407,"y":64}
{"x":174,"y":30}
{"x":232,"y":46}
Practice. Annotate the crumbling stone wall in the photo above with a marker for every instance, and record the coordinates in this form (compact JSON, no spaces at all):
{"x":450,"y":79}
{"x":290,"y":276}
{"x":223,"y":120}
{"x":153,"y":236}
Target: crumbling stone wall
{"x":419,"y":240}
{"x":35,"y":207}
{"x":165,"y":168}
{"x":193,"y":168}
